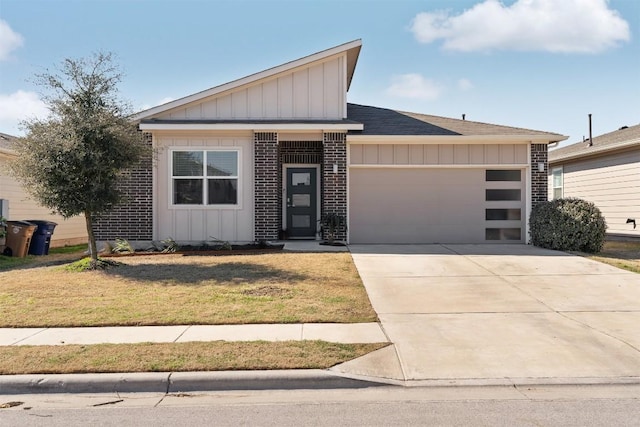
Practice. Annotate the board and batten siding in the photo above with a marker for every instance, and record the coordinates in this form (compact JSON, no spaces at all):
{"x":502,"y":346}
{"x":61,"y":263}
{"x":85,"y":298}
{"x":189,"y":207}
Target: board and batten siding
{"x":611,"y":182}
{"x":315,"y":92}
{"x":437,"y":154}
{"x":202,"y":223}
{"x":21,"y":207}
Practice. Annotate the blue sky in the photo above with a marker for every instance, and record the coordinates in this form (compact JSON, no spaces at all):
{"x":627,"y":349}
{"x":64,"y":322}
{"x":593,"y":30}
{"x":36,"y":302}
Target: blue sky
{"x":540,"y":64}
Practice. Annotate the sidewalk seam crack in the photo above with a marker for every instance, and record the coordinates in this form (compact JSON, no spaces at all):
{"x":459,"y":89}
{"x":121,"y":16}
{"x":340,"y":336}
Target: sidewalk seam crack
{"x":30,"y":336}
{"x":598,"y":330}
{"x":182,"y":333}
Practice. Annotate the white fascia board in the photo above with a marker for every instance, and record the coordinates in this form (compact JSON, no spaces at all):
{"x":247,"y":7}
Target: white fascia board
{"x":449,"y":139}
{"x":249,"y":79}
{"x":591,"y":151}
{"x":253,"y":126}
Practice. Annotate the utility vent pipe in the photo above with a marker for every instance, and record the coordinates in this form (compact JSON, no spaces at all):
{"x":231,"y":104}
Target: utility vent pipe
{"x":590,"y":134}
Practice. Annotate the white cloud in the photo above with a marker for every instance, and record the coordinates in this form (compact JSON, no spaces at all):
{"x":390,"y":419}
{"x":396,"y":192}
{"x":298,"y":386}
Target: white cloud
{"x":560,"y":26}
{"x":19,"y":106}
{"x":9,"y":40}
{"x":414,"y":86}
{"x":465,"y":84}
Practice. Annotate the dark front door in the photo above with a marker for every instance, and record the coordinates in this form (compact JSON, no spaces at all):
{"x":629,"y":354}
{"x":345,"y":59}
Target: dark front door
{"x":301,"y":202}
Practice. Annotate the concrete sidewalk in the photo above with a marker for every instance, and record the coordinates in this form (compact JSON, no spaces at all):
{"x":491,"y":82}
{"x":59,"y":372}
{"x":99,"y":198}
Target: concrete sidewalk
{"x":353,"y":333}
{"x":169,"y":382}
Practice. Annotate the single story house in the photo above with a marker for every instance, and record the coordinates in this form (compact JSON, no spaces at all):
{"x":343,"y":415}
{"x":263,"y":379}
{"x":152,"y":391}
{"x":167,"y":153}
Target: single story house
{"x":16,"y":204}
{"x":267,"y":156}
{"x":605,"y":171}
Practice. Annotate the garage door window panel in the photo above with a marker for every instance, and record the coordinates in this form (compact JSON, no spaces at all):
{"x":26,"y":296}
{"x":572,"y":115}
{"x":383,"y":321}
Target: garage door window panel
{"x":503,"y":233}
{"x":498,"y":195}
{"x":503,"y":175}
{"x":507,"y":214}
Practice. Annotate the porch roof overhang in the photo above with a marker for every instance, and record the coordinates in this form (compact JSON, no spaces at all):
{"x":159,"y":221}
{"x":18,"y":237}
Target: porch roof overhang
{"x":255,"y":125}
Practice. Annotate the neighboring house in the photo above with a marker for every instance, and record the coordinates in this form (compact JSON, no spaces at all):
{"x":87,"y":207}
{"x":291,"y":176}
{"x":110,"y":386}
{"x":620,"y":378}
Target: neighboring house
{"x":605,"y":171}
{"x":15,"y":203}
{"x":266,"y":156}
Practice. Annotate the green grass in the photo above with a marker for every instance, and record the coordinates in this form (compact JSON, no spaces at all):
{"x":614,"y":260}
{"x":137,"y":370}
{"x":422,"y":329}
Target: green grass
{"x":56,"y":256}
{"x":74,"y":249}
{"x":621,"y":254}
{"x":178,"y":357}
{"x":172,"y":289}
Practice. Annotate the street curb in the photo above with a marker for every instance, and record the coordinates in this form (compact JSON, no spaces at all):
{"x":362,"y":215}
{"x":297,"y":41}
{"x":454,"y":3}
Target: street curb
{"x":174,"y":382}
{"x":306,"y":379}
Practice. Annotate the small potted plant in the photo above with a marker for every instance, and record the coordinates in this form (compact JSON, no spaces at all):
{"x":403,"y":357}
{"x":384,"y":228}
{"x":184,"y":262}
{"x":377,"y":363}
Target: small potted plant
{"x":332,"y":224}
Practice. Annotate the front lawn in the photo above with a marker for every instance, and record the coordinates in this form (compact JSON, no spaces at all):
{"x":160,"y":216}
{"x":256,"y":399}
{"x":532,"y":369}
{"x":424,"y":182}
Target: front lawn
{"x":625,"y":255}
{"x":179,"y":289}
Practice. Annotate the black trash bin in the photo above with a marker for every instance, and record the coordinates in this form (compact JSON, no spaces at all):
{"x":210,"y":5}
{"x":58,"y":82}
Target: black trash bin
{"x":41,"y":238}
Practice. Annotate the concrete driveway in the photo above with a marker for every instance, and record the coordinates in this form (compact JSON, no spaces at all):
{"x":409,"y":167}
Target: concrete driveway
{"x":496,"y":314}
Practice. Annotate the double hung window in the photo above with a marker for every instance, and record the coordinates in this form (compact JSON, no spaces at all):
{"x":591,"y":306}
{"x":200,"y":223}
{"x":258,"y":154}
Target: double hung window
{"x":204,"y":177}
{"x":556,"y":176}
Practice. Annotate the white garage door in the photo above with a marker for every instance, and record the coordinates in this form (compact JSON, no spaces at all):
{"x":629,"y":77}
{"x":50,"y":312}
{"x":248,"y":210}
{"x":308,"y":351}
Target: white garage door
{"x":436,"y":205}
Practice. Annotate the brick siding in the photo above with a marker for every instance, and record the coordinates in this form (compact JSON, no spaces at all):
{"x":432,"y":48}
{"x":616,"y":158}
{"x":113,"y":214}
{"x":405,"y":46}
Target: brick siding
{"x":334,"y":185}
{"x":267,"y":216}
{"x":133,"y":218}
{"x":539,"y":190}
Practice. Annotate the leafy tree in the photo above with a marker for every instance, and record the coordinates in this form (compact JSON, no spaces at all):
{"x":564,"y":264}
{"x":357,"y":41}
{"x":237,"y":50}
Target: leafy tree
{"x":71,"y":161}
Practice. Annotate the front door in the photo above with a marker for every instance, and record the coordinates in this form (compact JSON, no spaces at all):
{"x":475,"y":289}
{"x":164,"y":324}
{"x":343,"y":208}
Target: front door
{"x":301,"y":202}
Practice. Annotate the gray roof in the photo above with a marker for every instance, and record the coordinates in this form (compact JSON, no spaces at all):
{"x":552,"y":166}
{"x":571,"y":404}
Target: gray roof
{"x":625,"y":137}
{"x":383,"y":121}
{"x":6,"y":141}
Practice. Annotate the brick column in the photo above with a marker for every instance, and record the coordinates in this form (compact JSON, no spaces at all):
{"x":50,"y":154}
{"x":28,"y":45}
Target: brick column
{"x":539,"y":189}
{"x":335,"y":184}
{"x":267,"y":191}
{"x":133,"y":218}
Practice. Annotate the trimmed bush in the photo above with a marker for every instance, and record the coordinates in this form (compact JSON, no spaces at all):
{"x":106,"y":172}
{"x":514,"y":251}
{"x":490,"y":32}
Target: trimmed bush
{"x":567,"y":225}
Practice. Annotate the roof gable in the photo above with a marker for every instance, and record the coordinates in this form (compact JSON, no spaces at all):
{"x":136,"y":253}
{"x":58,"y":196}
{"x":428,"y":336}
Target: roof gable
{"x":312,"y":87}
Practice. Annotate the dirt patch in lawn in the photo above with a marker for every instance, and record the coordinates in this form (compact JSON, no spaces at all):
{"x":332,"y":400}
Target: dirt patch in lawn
{"x":175,"y":290}
{"x":178,"y":357}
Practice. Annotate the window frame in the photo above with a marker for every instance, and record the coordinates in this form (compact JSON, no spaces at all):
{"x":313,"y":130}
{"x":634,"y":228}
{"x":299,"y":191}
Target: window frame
{"x":205,"y":178}
{"x":555,"y":169}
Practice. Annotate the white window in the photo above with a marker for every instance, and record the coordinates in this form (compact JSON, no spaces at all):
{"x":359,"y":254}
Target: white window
{"x":204,"y":177}
{"x":557,"y":178}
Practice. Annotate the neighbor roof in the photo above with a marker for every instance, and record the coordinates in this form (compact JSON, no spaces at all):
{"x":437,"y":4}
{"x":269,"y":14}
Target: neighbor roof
{"x":6,"y":143}
{"x":384,"y":121}
{"x":625,"y":137}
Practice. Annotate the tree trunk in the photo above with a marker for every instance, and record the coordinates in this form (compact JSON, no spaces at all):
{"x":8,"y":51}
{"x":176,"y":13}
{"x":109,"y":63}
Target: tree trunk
{"x":93,"y":248}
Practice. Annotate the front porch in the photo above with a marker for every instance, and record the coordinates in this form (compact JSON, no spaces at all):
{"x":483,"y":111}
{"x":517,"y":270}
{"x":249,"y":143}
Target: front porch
{"x":297,"y":182}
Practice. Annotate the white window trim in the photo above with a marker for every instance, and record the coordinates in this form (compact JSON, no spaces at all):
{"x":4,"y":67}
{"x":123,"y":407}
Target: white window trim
{"x":553,"y":183}
{"x":205,"y":206}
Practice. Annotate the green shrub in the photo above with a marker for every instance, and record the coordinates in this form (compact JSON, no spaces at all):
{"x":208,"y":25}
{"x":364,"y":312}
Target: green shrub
{"x":567,"y":225}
